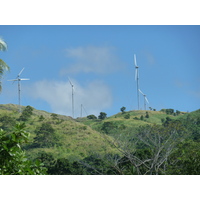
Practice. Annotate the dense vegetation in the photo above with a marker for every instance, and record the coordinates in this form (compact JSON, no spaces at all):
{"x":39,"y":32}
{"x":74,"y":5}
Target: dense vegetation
{"x":130,"y":142}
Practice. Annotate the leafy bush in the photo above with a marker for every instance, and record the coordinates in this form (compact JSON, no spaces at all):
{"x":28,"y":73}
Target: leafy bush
{"x":12,"y":158}
{"x":91,"y":117}
{"x":108,"y":126}
{"x":102,"y":115}
{"x":127,"y":116}
{"x":45,"y":136}
{"x":7,"y":123}
{"x":27,"y":112}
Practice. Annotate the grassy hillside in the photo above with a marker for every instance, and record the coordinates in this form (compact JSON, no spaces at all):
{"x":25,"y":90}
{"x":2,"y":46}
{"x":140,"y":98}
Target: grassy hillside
{"x":130,"y":120}
{"x":59,"y":141}
{"x":73,"y":139}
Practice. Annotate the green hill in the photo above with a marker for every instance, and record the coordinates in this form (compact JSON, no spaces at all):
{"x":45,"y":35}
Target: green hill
{"x":141,"y":142}
{"x":122,"y":122}
{"x":72,"y":139}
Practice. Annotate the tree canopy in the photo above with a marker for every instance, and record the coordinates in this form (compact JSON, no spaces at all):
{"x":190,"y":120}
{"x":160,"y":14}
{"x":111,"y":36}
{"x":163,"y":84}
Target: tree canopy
{"x":3,"y":66}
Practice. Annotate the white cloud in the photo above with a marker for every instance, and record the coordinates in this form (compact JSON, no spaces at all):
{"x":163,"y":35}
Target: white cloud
{"x":94,"y":59}
{"x":95,"y":96}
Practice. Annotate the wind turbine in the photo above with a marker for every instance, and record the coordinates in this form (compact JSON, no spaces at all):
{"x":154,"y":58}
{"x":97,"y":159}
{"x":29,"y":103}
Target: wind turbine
{"x":19,"y":86}
{"x":137,"y":79}
{"x":82,"y":107}
{"x":145,"y":99}
{"x":72,"y":97}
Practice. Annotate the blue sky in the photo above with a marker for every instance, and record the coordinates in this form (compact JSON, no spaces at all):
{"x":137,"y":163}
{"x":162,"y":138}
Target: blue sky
{"x":99,"y":62}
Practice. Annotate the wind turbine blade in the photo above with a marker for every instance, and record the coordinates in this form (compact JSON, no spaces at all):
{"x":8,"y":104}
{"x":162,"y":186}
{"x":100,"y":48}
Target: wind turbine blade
{"x":24,"y":79}
{"x":146,"y":100}
{"x":13,"y":80}
{"x":135,"y":60}
{"x":21,"y":72}
{"x":70,"y":82}
{"x":141,"y":92}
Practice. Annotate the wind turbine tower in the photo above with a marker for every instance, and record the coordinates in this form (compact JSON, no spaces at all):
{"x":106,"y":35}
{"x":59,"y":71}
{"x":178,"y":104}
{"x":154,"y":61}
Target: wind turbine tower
{"x":145,"y":99}
{"x":19,"y":86}
{"x":137,"y":80}
{"x":82,"y":107}
{"x":72,"y":97}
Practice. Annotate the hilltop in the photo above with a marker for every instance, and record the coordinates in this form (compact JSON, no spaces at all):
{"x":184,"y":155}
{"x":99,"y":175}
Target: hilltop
{"x":121,"y":122}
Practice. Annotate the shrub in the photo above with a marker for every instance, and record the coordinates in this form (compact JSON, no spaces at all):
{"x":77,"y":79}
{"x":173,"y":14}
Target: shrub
{"x":127,"y":116}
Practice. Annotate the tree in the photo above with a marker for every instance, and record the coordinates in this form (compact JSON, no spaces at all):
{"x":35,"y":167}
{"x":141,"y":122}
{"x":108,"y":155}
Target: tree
{"x":54,"y":116}
{"x":102,"y":115}
{"x":27,"y":112}
{"x":7,"y":122}
{"x":147,"y":115}
{"x":45,"y":136}
{"x":12,"y":158}
{"x":186,"y":159}
{"x":169,"y":111}
{"x":178,"y":112}
{"x":127,"y":116}
{"x":91,"y":117}
{"x":107,"y":127}
{"x":3,"y":66}
{"x":41,"y":118}
{"x":123,"y":109}
{"x":148,"y":151}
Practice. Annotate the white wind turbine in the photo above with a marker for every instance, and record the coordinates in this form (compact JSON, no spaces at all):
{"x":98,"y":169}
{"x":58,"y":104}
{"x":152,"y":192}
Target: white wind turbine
{"x":137,"y":79}
{"x":19,"y":86}
{"x":145,"y":99}
{"x":72,"y":97}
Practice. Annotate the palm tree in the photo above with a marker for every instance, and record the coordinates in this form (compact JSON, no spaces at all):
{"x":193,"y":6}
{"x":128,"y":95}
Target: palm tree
{"x":3,"y":66}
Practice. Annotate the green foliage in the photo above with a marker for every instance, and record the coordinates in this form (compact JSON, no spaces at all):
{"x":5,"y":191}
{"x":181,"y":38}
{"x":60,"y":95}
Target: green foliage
{"x":26,"y":114}
{"x":127,"y":116}
{"x":148,"y":151}
{"x":186,"y":159}
{"x":7,"y":122}
{"x":141,"y":117}
{"x":107,"y":127}
{"x":134,"y":147}
{"x":169,"y":111}
{"x":147,"y":115}
{"x":54,"y":116}
{"x":98,"y":165}
{"x":45,"y":136}
{"x":60,"y":166}
{"x":3,"y":66}
{"x":41,"y":118}
{"x":12,"y":157}
{"x":102,"y":115}
{"x":123,"y":109}
{"x":91,"y":117}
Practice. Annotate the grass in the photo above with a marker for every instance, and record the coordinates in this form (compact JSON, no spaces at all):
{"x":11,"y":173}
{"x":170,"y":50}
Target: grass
{"x":79,"y":138}
{"x":76,"y":140}
{"x":155,"y":117}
